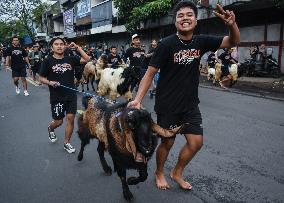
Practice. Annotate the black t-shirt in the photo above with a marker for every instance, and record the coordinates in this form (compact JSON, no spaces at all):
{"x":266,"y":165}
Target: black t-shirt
{"x":17,"y":57}
{"x":146,"y":60}
{"x":4,"y":54}
{"x":211,"y":58}
{"x":178,"y":61}
{"x":135,"y":55}
{"x":62,"y":71}
{"x":114,"y":60}
{"x":226,"y":58}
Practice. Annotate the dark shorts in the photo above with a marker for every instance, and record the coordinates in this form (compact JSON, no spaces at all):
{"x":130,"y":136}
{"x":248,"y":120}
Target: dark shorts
{"x":35,"y":69}
{"x":225,"y":70}
{"x":19,"y":72}
{"x":59,"y":108}
{"x":192,"y":117}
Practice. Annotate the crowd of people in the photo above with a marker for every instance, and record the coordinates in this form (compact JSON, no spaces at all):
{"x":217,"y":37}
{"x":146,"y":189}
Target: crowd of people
{"x":177,"y":58}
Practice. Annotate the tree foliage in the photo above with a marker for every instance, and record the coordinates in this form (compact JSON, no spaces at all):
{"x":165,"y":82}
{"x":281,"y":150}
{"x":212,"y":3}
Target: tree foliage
{"x":279,"y":3}
{"x":7,"y":29}
{"x":37,"y":13}
{"x":136,"y":11}
{"x":19,"y":11}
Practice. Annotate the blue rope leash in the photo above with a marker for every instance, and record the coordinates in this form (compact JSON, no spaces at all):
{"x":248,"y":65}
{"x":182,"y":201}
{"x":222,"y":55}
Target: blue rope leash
{"x":88,"y":94}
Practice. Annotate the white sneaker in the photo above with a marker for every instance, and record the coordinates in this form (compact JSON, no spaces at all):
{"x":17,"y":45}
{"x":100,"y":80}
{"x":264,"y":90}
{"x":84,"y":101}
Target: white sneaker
{"x":51,"y":135}
{"x":26,"y":93}
{"x":69,"y":148}
{"x":18,"y":91}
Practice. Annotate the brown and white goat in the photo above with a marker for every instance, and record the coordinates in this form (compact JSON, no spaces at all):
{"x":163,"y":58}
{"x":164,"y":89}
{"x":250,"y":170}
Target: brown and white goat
{"x":127,"y":134}
{"x":92,"y":71}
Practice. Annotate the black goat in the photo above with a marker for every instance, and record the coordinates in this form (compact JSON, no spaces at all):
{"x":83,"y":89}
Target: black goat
{"x":126,"y":133}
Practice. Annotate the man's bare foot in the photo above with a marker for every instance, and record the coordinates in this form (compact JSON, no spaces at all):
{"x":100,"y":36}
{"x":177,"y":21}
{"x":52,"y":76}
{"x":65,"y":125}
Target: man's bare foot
{"x":179,"y":180}
{"x":161,"y":181}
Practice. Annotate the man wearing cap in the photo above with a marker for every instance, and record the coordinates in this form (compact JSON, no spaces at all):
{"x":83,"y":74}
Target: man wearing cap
{"x":135,"y":54}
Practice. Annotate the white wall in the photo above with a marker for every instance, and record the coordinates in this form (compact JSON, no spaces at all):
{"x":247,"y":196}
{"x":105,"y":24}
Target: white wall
{"x":58,"y":26}
{"x":273,"y":32}
{"x":252,"y":34}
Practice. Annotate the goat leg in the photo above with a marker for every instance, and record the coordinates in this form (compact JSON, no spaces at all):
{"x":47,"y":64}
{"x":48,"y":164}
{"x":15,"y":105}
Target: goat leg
{"x":88,"y":79}
{"x":84,"y":136}
{"x":106,"y":167}
{"x":128,"y":196}
{"x":81,"y":153}
{"x":143,"y":174}
{"x":92,"y":83}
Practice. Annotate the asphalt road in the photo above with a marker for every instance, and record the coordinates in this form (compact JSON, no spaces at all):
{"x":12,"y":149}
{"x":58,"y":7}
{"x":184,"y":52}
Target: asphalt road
{"x":241,"y":160}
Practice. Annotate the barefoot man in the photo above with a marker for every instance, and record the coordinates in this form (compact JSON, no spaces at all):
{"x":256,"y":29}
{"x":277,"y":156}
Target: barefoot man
{"x":177,"y":56}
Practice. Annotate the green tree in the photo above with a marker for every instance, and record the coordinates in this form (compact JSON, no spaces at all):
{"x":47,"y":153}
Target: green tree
{"x":135,"y":11}
{"x":8,"y":29}
{"x":37,"y":13}
{"x":279,"y":3}
{"x":20,"y":11}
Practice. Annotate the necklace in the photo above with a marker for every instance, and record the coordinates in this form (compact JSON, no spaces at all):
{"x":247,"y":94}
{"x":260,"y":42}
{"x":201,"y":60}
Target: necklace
{"x":183,"y":42}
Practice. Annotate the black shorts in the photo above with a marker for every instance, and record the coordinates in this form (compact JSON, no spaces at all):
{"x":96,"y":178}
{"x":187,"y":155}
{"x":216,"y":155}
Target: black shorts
{"x":59,"y":108}
{"x":19,"y":72}
{"x":192,"y":118}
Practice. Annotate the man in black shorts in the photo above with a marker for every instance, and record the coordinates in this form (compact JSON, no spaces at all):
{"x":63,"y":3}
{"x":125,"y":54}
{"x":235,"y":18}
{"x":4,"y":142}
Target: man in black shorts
{"x":178,"y":57}
{"x":57,"y":70}
{"x":136,"y":55}
{"x":17,"y":57}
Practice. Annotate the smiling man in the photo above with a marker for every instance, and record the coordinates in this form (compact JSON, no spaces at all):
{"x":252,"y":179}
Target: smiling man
{"x":178,"y":57}
{"x":57,"y":70}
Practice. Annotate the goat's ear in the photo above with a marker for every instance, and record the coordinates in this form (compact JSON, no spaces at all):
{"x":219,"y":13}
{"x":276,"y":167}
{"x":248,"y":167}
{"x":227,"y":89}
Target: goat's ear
{"x":165,"y":132}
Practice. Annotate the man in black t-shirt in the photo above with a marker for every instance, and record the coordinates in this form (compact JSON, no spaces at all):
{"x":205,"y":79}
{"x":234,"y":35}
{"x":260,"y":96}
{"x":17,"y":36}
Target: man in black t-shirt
{"x":135,"y":54}
{"x":17,"y":57}
{"x":113,"y":58}
{"x":35,"y":58}
{"x":57,"y":70}
{"x":211,"y":60}
{"x":178,"y":57}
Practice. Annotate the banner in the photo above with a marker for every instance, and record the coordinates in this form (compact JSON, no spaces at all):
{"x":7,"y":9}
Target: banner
{"x":68,"y":20}
{"x":83,"y":8}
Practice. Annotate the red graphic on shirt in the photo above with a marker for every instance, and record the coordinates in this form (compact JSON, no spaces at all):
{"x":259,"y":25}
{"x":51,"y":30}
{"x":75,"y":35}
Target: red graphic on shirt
{"x":61,"y":68}
{"x":186,"y":56}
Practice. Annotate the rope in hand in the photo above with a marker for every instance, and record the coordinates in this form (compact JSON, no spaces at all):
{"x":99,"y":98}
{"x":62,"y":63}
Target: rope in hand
{"x":88,"y":94}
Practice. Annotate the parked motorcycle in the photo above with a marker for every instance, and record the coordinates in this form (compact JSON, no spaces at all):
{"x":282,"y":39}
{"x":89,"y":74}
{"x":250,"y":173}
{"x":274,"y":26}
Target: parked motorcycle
{"x":269,"y":68}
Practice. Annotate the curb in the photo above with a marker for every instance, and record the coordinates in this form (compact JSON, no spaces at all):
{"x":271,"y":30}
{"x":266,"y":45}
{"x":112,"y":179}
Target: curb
{"x":242,"y":93}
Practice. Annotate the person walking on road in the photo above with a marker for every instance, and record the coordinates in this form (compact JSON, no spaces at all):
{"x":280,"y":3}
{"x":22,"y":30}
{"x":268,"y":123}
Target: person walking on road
{"x":35,"y":57}
{"x":136,"y":55}
{"x":178,"y":57}
{"x":56,"y":70}
{"x":17,"y":58}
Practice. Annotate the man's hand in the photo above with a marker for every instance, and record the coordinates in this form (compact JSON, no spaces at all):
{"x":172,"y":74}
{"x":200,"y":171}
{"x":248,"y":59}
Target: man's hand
{"x":73,"y":45}
{"x":227,"y":16}
{"x":134,"y":104}
{"x":54,"y":84}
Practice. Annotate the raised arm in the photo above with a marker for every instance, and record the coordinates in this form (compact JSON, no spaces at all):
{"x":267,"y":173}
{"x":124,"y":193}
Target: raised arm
{"x":229,"y":19}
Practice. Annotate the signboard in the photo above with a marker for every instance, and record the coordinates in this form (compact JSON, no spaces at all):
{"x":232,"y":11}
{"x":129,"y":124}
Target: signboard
{"x":68,"y":20}
{"x":83,"y":33}
{"x":83,"y":8}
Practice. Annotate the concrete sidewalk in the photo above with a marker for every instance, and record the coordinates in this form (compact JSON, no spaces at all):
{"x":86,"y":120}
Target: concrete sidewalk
{"x":272,"y":87}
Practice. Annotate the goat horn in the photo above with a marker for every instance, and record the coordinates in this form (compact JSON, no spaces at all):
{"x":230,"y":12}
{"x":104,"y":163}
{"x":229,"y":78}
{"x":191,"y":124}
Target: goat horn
{"x":166,"y":132}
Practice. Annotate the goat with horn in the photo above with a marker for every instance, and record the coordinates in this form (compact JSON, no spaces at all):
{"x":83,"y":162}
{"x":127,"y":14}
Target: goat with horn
{"x":128,"y":134}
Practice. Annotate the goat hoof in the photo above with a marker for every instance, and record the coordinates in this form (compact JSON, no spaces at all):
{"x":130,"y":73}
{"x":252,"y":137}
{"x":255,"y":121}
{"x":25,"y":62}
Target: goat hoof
{"x":132,"y":181}
{"x":80,"y":157}
{"x":128,"y":196}
{"x":108,"y":171}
